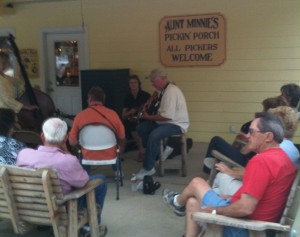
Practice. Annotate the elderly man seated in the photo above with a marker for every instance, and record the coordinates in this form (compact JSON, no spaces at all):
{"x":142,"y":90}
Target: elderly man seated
{"x":266,"y":184}
{"x":55,"y":154}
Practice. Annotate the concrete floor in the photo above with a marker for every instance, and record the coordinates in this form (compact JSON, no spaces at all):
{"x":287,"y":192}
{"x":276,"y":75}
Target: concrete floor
{"x":136,"y":214}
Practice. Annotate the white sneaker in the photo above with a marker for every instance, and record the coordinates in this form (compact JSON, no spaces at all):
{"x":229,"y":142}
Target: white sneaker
{"x":167,"y":151}
{"x":140,"y":175}
{"x":209,"y":162}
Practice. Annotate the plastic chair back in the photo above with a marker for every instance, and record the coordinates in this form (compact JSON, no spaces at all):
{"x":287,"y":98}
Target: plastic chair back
{"x":97,"y":137}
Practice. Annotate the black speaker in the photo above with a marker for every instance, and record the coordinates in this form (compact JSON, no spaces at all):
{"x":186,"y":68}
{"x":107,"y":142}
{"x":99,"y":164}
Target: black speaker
{"x":114,"y":82}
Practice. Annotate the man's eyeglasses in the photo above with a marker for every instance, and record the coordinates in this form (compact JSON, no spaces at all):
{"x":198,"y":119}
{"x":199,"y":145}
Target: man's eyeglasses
{"x":252,"y":131}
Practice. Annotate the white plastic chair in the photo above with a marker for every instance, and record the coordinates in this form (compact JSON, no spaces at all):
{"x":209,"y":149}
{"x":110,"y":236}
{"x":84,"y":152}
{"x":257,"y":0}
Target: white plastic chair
{"x":97,"y":137}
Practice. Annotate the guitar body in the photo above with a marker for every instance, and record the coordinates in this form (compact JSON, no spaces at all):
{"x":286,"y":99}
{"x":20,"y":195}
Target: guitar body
{"x":150,"y":107}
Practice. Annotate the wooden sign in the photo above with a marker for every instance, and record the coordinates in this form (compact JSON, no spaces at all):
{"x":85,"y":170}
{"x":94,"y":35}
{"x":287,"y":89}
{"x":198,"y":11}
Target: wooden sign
{"x":195,"y":40}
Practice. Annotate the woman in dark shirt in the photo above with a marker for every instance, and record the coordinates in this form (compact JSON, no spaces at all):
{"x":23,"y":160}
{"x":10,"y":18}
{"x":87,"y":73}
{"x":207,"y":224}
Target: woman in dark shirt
{"x":134,"y":101}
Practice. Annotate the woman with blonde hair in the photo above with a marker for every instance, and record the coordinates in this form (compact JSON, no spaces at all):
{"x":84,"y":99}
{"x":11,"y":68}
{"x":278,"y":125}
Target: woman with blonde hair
{"x":290,"y":122}
{"x":228,"y":180}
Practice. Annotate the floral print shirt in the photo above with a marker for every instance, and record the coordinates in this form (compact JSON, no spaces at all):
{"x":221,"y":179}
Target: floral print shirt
{"x":9,"y":150}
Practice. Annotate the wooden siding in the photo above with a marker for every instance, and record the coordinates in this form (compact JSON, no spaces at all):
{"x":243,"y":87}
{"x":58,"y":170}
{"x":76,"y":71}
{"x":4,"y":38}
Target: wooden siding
{"x":263,"y":50}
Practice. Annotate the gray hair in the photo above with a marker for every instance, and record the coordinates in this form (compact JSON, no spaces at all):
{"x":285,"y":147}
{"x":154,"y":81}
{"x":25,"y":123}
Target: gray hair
{"x":54,"y":130}
{"x":271,"y":123}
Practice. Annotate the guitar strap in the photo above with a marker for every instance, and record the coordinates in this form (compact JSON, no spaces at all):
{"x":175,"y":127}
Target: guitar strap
{"x":157,"y":104}
{"x":112,"y":126}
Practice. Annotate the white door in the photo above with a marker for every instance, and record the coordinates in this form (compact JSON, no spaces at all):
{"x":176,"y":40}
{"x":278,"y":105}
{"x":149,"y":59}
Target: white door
{"x":64,"y":57}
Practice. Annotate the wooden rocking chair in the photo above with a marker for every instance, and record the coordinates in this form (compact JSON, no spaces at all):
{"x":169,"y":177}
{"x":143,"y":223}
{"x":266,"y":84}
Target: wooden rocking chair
{"x":30,"y":197}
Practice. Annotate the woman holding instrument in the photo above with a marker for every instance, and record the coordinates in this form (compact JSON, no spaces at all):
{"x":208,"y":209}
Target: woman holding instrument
{"x":32,"y":106}
{"x":133,"y":103}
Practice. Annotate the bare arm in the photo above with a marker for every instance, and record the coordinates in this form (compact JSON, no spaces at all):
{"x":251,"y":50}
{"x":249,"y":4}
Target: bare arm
{"x":236,"y":172}
{"x":243,"y":207}
{"x":245,"y":150}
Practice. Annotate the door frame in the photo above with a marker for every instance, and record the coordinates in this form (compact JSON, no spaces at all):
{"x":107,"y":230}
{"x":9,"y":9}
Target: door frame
{"x":43,"y":47}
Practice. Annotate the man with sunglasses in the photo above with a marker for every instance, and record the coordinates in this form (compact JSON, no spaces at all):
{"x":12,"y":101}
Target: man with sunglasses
{"x":266,"y":184}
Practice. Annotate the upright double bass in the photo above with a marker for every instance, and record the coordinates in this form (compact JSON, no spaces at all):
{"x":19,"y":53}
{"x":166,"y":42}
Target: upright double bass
{"x":31,"y":120}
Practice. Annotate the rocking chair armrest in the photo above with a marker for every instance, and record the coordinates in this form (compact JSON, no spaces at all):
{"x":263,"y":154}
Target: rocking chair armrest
{"x":236,"y":222}
{"x":77,"y":193}
{"x":219,"y":156}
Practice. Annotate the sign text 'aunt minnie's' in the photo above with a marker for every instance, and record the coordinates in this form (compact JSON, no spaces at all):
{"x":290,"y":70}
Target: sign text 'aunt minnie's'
{"x":196,"y":40}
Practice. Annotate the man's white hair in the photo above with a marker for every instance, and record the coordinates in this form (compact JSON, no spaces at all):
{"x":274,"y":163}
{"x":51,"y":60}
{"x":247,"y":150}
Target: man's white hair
{"x":54,"y":130}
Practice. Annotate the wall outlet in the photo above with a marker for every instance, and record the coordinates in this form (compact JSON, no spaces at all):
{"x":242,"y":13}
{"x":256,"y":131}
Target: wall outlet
{"x":232,"y":129}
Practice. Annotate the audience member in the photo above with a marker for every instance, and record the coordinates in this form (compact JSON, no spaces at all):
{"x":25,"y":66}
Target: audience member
{"x":97,"y":113}
{"x":266,"y":184}
{"x":239,"y":154}
{"x":228,"y":179}
{"x":54,"y":154}
{"x":10,"y":147}
{"x":170,"y":117}
{"x":291,"y":93}
{"x":133,"y":103}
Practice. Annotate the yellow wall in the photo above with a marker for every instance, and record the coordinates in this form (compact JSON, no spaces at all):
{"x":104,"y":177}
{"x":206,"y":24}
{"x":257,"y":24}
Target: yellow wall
{"x":263,"y":50}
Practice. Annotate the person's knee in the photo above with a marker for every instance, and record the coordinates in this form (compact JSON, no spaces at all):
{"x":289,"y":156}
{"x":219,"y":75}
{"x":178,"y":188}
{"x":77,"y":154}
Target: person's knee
{"x":197,"y":182}
{"x":192,"y":205}
{"x":98,"y":176}
{"x":103,"y":184}
{"x":216,"y":139}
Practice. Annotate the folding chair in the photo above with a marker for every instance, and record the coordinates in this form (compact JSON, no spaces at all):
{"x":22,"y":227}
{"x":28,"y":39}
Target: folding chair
{"x":98,"y":137}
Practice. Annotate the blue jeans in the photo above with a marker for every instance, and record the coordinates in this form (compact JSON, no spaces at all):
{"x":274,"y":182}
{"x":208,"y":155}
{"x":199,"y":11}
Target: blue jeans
{"x":211,"y":198}
{"x":151,"y":133}
{"x":219,"y":144}
{"x":100,"y":193}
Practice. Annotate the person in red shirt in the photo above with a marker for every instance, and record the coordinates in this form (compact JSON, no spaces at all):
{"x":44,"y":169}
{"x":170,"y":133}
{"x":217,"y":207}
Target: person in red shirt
{"x":266,"y":184}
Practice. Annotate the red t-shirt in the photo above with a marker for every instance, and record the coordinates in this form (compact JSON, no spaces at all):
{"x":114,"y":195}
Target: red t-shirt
{"x":268,"y":177}
{"x":91,"y":116}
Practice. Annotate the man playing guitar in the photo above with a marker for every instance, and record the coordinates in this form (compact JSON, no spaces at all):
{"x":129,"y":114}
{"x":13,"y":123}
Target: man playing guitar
{"x":171,"y":118}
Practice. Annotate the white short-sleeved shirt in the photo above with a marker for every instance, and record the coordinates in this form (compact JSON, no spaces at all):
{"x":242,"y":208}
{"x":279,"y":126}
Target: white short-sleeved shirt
{"x":173,"y":106}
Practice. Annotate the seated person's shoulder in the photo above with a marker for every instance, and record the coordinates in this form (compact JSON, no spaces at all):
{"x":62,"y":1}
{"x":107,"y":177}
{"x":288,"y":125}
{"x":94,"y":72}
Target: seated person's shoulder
{"x":26,"y":150}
